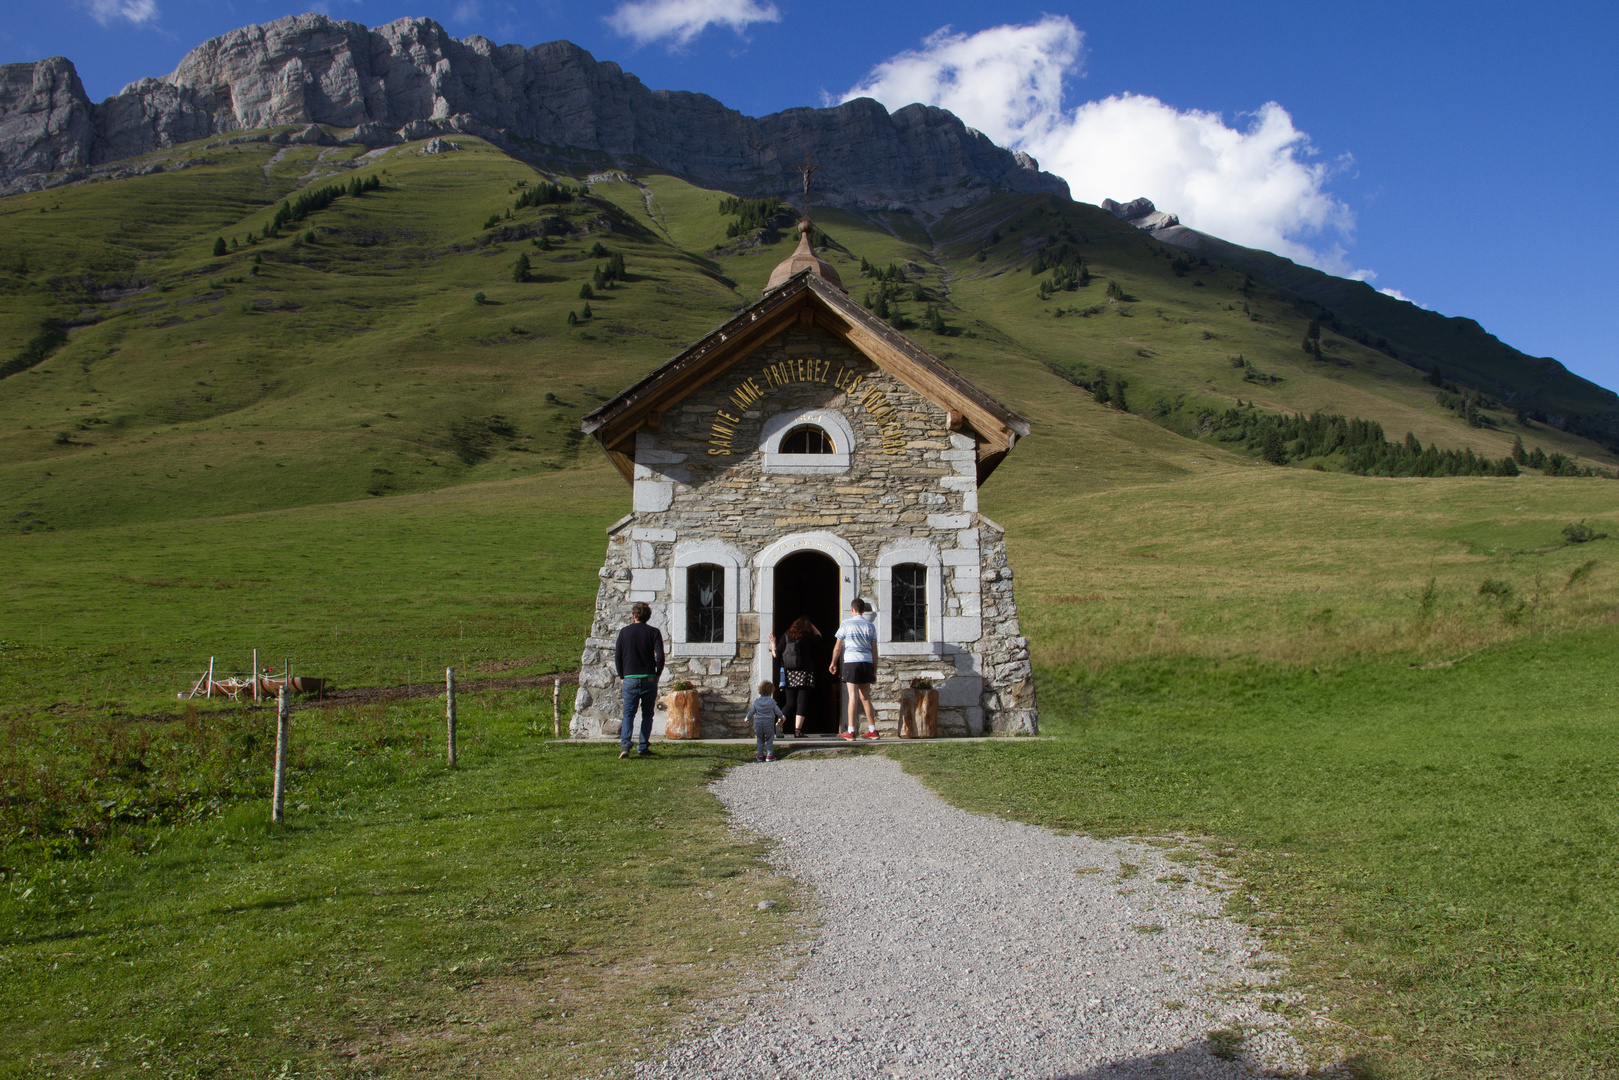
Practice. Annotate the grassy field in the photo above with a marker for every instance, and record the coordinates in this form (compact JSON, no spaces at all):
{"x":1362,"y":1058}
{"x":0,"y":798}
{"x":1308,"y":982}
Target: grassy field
{"x":542,"y":910}
{"x":1230,"y":657}
{"x":486,"y":577}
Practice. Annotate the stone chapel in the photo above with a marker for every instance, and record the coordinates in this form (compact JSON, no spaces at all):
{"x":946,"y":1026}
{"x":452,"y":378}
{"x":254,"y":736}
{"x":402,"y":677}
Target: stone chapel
{"x":801,"y":455}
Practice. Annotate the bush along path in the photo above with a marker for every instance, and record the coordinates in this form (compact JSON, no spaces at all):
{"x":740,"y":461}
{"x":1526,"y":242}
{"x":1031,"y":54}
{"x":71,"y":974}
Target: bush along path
{"x":958,"y":945}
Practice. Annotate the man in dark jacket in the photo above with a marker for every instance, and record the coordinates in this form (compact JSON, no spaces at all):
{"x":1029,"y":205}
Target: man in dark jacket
{"x":639,"y":659}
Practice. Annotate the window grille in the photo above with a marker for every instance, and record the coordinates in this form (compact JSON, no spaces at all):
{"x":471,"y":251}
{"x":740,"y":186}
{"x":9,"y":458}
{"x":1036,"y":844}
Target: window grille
{"x":806,"y":439}
{"x":908,"y":603}
{"x":705,"y":603}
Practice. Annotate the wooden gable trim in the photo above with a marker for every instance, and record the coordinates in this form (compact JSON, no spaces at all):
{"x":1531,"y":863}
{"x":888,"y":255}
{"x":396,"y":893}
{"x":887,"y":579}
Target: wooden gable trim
{"x":997,"y":426}
{"x":695,"y":367}
{"x":807,"y":299}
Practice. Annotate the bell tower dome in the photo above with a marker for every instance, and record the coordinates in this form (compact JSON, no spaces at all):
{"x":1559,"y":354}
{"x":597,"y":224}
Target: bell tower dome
{"x":803,"y":258}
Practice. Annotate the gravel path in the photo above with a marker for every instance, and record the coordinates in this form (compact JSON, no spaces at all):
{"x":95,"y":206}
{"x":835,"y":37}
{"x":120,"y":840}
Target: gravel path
{"x":957,"y":945}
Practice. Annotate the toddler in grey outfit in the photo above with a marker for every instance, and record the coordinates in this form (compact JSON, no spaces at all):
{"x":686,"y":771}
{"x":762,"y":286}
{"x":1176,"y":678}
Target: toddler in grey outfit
{"x":764,"y":712}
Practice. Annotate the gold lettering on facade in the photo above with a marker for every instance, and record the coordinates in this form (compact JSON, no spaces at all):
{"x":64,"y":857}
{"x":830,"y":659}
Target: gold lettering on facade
{"x":807,"y":370}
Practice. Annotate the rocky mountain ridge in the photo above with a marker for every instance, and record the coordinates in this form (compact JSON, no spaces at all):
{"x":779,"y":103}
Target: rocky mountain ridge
{"x":552,"y":102}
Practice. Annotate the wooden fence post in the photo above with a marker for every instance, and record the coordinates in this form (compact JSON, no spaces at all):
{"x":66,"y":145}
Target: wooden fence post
{"x":210,"y":676}
{"x":283,"y":724}
{"x":449,"y":716}
{"x":556,"y":709}
{"x":255,"y":675}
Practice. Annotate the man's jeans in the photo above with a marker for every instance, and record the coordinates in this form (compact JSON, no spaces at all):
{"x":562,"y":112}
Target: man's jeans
{"x":644,"y":692}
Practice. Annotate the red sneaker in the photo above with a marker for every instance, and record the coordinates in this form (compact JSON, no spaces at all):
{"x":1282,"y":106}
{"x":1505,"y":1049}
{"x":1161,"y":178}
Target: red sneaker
{"x":871,"y":735}
{"x":846,"y":735}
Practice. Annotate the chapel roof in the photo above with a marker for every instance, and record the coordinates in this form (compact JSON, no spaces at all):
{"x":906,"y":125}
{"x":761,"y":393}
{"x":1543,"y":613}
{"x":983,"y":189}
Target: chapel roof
{"x":810,"y":299}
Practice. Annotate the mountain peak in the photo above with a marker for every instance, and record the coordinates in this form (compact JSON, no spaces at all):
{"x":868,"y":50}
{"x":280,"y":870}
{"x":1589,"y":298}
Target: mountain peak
{"x":1141,"y":213}
{"x":552,"y":102}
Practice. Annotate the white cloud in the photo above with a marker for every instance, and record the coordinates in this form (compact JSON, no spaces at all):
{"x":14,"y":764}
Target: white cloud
{"x":679,"y":21}
{"x":1254,"y":184}
{"x":1398,"y":295}
{"x":135,"y":11}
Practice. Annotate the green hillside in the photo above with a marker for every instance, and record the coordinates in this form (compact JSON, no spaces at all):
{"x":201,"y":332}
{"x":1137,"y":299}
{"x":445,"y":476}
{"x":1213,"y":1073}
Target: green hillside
{"x":350,"y":356}
{"x":1536,"y":387}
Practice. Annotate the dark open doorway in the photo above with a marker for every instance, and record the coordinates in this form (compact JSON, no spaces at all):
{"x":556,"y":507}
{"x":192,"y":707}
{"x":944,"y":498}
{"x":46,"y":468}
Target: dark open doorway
{"x":807,"y":584}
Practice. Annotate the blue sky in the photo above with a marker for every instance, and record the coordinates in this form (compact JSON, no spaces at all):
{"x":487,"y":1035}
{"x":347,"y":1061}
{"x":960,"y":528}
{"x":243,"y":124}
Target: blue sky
{"x":1462,"y":155}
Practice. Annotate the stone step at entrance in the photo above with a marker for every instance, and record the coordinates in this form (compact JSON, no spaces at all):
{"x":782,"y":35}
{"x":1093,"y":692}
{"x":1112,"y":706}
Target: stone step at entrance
{"x":824,"y":742}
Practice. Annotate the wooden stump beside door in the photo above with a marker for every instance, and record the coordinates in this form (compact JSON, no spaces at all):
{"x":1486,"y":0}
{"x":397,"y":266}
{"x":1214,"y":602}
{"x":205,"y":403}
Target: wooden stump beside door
{"x":684,"y":719}
{"x":919,"y":714}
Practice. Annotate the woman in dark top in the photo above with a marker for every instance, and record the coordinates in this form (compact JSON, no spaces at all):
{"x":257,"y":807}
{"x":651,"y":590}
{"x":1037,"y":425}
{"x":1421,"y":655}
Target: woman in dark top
{"x":797,"y":657}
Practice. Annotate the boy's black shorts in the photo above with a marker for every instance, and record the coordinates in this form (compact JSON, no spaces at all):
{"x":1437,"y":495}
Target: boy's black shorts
{"x":859,"y":673}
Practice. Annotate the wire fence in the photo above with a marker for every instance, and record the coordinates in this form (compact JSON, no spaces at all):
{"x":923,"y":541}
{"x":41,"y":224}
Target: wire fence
{"x":405,"y":676}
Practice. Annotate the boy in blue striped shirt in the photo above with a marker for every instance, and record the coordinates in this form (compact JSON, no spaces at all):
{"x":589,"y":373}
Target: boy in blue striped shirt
{"x":857,"y":648}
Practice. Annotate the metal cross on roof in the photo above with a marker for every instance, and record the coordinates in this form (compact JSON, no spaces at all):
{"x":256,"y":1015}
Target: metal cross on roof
{"x":807,"y":169}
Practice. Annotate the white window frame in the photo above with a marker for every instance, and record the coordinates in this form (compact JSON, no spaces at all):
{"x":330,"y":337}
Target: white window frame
{"x":911,"y":549}
{"x":689,"y":553}
{"x":828,"y":420}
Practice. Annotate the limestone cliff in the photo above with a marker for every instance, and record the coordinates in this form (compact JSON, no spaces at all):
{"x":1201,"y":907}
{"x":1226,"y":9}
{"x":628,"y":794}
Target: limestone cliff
{"x":411,"y":79}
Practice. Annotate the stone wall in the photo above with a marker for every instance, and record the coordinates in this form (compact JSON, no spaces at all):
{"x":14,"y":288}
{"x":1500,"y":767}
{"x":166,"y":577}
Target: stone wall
{"x":901,"y":487}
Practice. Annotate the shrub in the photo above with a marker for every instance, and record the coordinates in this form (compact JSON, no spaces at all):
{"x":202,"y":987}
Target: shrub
{"x":219,"y":248}
{"x":1496,"y":589}
{"x":479,"y":298}
{"x":586,"y":313}
{"x":1581,"y":533}
{"x":521,"y":270}
{"x":1428,"y":599}
{"x":586,"y":292}
{"x":681,"y":685}
{"x":491,"y":221}
{"x":573,"y":320}
{"x":598,"y":250}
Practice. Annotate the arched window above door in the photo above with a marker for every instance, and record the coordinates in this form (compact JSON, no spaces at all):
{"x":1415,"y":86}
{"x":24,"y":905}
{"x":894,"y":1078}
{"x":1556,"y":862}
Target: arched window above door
{"x":807,"y":439}
{"x":807,"y":442}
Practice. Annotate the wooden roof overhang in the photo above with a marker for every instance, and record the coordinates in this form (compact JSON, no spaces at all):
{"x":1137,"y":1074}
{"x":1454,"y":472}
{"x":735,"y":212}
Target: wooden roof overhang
{"x":808,"y":299}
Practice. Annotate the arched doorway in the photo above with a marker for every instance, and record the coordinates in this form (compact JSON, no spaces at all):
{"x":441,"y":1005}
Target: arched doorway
{"x":807,"y":583}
